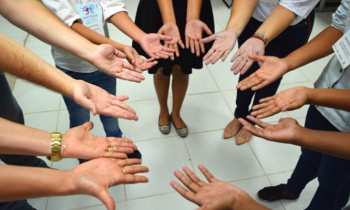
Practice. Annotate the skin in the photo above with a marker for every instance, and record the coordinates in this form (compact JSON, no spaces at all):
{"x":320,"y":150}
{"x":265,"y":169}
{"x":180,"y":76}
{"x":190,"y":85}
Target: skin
{"x":24,"y":64}
{"x":79,"y":142}
{"x":91,"y":178}
{"x":215,"y":195}
{"x":273,"y":68}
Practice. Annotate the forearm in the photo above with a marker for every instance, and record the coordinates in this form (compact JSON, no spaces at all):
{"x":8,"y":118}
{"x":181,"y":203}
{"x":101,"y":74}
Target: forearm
{"x":317,"y":48}
{"x":279,"y":19}
{"x":167,"y":11}
{"x":241,"y":12}
{"x":19,"y":139}
{"x":244,"y":201}
{"x":334,"y":98}
{"x":26,"y":15}
{"x":19,"y":183}
{"x":94,"y":37}
{"x":123,"y":22}
{"x":331,"y":143}
{"x":193,"y":9}
{"x":19,"y":61}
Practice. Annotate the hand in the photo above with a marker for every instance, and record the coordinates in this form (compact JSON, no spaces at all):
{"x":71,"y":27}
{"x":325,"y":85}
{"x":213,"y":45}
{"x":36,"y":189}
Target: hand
{"x":285,"y":131}
{"x":82,"y":144}
{"x":99,"y":101}
{"x":290,"y":99}
{"x":242,"y":62}
{"x":224,"y":42}
{"x":150,"y":43}
{"x":210,"y":196}
{"x":272,"y":68}
{"x":94,"y":177}
{"x":171,"y":29}
{"x":135,"y":59}
{"x":193,"y":32}
{"x":107,"y":59}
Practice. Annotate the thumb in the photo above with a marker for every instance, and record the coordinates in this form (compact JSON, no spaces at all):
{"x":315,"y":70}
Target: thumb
{"x":119,"y":54}
{"x":88,"y":125}
{"x":161,"y":31}
{"x":207,"y":30}
{"x":88,"y":104}
{"x":208,"y":39}
{"x":165,"y":38}
{"x":106,"y":199}
{"x":260,"y":58}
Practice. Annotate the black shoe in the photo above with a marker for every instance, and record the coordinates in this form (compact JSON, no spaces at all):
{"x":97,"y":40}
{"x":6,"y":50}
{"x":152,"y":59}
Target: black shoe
{"x":136,"y":154}
{"x":276,"y":193}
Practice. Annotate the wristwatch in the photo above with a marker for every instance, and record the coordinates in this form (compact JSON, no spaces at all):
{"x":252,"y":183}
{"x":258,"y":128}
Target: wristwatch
{"x":56,"y":142}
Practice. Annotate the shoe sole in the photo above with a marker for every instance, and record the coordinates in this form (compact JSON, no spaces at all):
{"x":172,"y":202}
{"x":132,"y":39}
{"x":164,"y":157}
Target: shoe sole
{"x":275,"y":200}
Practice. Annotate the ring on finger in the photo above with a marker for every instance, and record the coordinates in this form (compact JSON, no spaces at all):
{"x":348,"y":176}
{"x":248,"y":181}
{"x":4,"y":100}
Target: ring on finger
{"x":111,"y":149}
{"x":260,"y":79}
{"x":124,"y":170}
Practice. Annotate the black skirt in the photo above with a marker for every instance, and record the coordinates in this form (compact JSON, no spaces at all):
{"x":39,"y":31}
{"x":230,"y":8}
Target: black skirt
{"x":149,"y":19}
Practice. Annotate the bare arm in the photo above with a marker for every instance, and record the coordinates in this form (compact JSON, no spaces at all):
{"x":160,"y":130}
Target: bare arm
{"x":91,"y":178}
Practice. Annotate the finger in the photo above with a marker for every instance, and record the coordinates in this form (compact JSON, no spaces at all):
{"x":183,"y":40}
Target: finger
{"x":119,"y":98}
{"x":208,"y":39}
{"x":119,"y":113}
{"x":128,"y":66}
{"x":117,"y":139}
{"x":207,"y":30}
{"x":177,"y":53}
{"x":235,"y":56}
{"x":88,"y":126}
{"x":192,"y":46}
{"x":202,"y":47}
{"x":225,"y":55}
{"x":161,"y":55}
{"x":161,"y":32}
{"x":239,"y":67}
{"x":257,"y":58}
{"x":106,"y":199}
{"x":181,"y":44}
{"x":128,"y":162}
{"x":186,"y":181}
{"x":211,"y":58}
{"x":193,"y":177}
{"x":131,"y":170}
{"x":197,"y":48}
{"x":207,"y":174}
{"x":217,"y":57}
{"x":133,"y":179}
{"x":165,"y":38}
{"x":130,"y":76}
{"x":271,"y":98}
{"x":119,"y":54}
{"x":249,"y":127}
{"x":183,"y":191}
{"x":88,"y":104}
{"x":209,"y":53}
{"x":246,"y":66}
{"x":187,"y":42}
{"x":258,"y":122}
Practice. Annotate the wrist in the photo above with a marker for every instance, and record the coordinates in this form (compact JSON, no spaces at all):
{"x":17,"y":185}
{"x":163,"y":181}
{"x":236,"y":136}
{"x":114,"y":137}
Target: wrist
{"x":308,"y":91}
{"x":67,"y":183}
{"x":262,"y":38}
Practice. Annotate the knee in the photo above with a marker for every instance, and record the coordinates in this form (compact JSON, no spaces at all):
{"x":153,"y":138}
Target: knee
{"x":178,"y":74}
{"x":160,"y":74}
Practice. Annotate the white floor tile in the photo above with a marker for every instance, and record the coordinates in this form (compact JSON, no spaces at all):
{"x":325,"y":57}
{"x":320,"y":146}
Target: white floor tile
{"x":172,"y":201}
{"x":162,"y":157}
{"x":12,"y":31}
{"x":226,"y":160}
{"x":305,"y":197}
{"x":293,"y":77}
{"x":201,"y":81}
{"x":34,"y":98}
{"x":223,"y":76}
{"x":46,"y":121}
{"x":119,"y":206}
{"x":252,"y":186}
{"x":313,"y":70}
{"x":38,"y":203}
{"x":275,"y":157}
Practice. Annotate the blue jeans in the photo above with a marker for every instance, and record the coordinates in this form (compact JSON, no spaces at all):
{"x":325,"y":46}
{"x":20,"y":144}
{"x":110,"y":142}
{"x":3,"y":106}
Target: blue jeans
{"x":10,"y":110}
{"x":333,"y":173}
{"x":289,"y":40}
{"x":78,"y":115}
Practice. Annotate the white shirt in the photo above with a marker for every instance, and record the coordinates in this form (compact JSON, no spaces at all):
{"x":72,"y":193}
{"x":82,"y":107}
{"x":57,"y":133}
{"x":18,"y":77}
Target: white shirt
{"x":301,"y":8}
{"x":334,"y":77}
{"x":66,"y":10}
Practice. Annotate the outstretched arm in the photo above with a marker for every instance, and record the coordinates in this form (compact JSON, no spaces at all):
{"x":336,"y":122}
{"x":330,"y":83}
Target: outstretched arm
{"x":19,"y":61}
{"x":289,"y":131}
{"x":91,"y":178}
{"x":224,"y":41}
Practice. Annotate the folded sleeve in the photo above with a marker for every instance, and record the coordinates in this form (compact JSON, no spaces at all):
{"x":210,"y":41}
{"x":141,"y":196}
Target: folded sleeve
{"x":301,"y":8}
{"x":339,"y":17}
{"x":63,"y":10}
{"x":112,"y":7}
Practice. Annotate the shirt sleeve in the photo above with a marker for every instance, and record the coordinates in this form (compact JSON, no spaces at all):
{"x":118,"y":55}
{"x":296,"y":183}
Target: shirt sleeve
{"x":339,"y":17}
{"x":63,"y":10}
{"x":112,"y":7}
{"x":301,"y":8}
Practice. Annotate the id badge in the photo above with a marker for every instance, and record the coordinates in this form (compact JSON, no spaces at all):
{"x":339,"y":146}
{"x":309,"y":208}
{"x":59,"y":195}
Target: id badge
{"x":342,"y":49}
{"x":271,"y":3}
{"x":91,"y":15}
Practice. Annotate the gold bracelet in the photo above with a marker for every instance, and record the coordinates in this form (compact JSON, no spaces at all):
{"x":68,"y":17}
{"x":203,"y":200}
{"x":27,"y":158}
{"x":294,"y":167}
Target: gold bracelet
{"x":56,"y":141}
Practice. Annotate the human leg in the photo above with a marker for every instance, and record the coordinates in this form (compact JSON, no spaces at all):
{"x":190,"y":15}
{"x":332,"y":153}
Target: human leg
{"x":161,"y":85}
{"x":179,"y":86}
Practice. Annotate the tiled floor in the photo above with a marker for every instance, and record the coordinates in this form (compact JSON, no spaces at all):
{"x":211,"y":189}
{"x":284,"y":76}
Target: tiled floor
{"x":208,"y":107}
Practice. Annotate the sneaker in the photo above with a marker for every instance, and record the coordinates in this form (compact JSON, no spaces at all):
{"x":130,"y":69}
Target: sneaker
{"x":136,"y":154}
{"x":276,"y":193}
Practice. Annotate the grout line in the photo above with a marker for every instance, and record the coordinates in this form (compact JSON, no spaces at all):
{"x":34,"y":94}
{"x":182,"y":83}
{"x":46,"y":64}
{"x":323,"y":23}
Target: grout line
{"x":25,"y":40}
